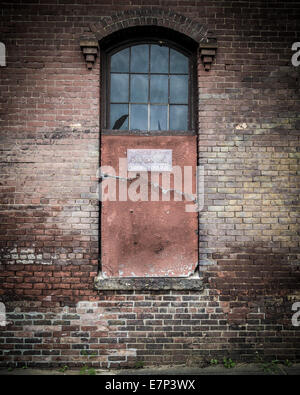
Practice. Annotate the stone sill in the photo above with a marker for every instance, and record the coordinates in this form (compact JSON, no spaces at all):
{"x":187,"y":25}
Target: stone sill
{"x":149,"y":284}
{"x":150,"y":133}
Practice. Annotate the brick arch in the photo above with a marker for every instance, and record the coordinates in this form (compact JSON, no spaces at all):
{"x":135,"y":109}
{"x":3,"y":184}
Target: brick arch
{"x":149,"y":17}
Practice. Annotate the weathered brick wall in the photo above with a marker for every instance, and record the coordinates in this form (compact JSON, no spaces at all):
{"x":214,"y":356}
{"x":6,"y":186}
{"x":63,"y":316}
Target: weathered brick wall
{"x":249,"y":128}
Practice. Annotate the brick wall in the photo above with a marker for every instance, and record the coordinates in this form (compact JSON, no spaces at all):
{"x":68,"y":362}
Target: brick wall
{"x":249,"y":127}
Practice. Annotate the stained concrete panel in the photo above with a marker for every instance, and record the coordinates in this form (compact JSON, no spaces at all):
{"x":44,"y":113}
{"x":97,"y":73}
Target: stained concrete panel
{"x":148,"y":238}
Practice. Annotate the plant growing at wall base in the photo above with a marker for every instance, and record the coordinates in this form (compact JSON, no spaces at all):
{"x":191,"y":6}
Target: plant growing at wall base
{"x":139,"y":365}
{"x":85,"y":370}
{"x":287,"y":363}
{"x":63,"y":368}
{"x":228,"y":363}
{"x":270,"y":367}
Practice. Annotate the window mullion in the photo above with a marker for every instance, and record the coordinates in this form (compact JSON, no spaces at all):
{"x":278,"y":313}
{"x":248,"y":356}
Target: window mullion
{"x":169,"y":68}
{"x":129,"y":91}
{"x":149,"y":76}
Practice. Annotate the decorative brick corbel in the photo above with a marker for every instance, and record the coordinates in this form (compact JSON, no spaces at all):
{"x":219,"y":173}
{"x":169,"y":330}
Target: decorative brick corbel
{"x":89,"y":48}
{"x":208,"y":52}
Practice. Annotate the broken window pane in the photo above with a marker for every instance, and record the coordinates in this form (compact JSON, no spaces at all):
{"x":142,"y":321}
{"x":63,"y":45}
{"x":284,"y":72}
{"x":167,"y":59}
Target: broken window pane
{"x":119,"y":116}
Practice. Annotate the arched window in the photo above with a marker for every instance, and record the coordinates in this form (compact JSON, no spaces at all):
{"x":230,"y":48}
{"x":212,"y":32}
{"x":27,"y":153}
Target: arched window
{"x":149,"y":86}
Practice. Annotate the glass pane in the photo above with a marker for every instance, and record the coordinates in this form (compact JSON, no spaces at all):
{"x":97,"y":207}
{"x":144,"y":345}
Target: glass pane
{"x":159,"y":59}
{"x":119,"y":88}
{"x":119,"y":116}
{"x":120,"y":61}
{"x":179,"y":89}
{"x":139,"y":116}
{"x":159,"y":89}
{"x":139,"y":59}
{"x":178,"y":117}
{"x":139,"y":88}
{"x":158,"y":117}
{"x":178,"y":62}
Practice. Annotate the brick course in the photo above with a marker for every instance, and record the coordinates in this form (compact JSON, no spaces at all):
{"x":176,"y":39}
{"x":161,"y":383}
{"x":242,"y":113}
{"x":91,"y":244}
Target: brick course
{"x":248,"y":124}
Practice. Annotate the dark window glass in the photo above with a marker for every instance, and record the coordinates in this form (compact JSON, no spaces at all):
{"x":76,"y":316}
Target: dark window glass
{"x":119,"y":88}
{"x":158,"y":117}
{"x":179,"y":89}
{"x":159,"y":59}
{"x":149,"y":88}
{"x":139,"y":59}
{"x":159,"y":89}
{"x":139,"y":88}
{"x":178,"y":62}
{"x":120,"y":61}
{"x":178,"y":117}
{"x":139,"y":116}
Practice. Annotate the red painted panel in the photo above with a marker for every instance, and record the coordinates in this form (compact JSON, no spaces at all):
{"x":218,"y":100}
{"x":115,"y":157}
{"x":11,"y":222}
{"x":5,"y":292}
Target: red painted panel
{"x":148,"y":238}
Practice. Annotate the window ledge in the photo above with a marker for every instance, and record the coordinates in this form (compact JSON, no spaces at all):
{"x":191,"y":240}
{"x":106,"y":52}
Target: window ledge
{"x":151,"y":133}
{"x":148,"y":283}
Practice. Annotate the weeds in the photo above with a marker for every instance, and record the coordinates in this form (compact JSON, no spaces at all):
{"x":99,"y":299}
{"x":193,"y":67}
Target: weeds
{"x":273,"y":366}
{"x":139,"y":365}
{"x":63,"y":369}
{"x":228,"y":363}
{"x":85,"y":370}
{"x":287,"y":363}
{"x":270,"y":367}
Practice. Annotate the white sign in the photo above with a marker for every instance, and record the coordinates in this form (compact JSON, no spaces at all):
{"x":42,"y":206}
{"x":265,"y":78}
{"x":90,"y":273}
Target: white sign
{"x":149,"y":159}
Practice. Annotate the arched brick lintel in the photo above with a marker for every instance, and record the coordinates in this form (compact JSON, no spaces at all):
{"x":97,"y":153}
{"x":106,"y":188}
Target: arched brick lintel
{"x":147,"y":17}
{"x":160,"y":17}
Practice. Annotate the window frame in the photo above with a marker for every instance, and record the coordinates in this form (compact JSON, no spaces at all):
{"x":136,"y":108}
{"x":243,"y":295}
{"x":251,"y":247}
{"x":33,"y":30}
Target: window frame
{"x":108,"y":50}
